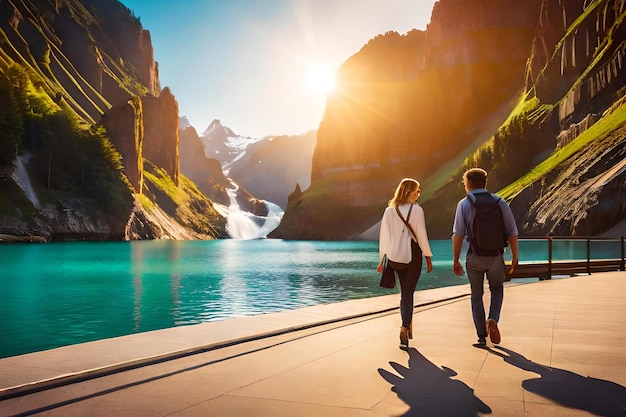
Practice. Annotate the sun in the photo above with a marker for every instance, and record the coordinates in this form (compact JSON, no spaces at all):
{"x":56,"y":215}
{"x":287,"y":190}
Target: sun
{"x":320,"y":78}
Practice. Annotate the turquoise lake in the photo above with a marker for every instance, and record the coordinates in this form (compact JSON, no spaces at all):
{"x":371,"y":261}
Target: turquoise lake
{"x":57,"y":294}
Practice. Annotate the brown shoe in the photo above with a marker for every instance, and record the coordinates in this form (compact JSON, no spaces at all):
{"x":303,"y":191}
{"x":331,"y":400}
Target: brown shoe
{"x":404,"y":337}
{"x":410,"y":331}
{"x":492,"y":331}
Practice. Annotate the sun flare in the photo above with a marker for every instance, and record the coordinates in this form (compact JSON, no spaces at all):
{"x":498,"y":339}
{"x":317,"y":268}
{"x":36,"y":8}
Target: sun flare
{"x":320,"y":78}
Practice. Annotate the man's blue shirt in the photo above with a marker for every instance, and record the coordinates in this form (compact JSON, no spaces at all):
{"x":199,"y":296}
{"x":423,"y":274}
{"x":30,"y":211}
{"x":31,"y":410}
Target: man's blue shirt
{"x":465,"y":211}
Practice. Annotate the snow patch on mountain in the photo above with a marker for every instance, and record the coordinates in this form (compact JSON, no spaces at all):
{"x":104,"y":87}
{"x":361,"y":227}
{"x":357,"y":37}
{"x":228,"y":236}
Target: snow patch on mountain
{"x":223,"y":144}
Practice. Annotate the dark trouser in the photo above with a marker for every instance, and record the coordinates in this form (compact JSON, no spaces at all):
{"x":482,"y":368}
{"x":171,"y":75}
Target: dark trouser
{"x":408,"y":274}
{"x":479,"y":267}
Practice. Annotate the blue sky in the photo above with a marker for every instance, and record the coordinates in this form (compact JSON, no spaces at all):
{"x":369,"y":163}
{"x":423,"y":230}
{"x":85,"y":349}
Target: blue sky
{"x":245,"y":62}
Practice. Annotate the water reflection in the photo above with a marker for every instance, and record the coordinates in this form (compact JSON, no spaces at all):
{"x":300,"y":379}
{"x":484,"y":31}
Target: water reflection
{"x":136,"y":268}
{"x":72,"y":292}
{"x":147,"y":264}
{"x":175,"y":279}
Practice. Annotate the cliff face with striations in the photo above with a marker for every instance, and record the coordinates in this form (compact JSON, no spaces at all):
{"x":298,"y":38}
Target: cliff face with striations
{"x":584,"y":71}
{"x":559,"y":157}
{"x":92,"y":63}
{"x":578,"y":68}
{"x":586,"y":196}
{"x":96,"y":63}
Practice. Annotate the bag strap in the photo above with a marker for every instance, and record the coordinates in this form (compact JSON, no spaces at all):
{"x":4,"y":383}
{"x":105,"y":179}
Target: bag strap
{"x":406,"y":222}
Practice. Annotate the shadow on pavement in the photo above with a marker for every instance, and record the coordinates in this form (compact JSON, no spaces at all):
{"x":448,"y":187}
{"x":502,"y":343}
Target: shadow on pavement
{"x":597,"y":396}
{"x":430,"y":390}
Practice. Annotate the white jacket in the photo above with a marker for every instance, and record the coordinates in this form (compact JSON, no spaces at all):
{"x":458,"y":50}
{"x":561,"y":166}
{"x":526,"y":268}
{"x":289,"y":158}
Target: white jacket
{"x":395,"y":240}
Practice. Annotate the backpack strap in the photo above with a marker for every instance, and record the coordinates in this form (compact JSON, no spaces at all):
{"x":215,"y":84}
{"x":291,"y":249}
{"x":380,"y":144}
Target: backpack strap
{"x":406,"y":222}
{"x":472,"y":197}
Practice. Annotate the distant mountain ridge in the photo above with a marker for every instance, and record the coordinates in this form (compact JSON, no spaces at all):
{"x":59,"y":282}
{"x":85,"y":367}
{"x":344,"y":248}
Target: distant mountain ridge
{"x":223,"y":144}
{"x":269,"y":168}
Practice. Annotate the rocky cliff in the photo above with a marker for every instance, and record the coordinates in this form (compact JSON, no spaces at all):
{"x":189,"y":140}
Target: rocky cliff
{"x":559,"y":157}
{"x":79,"y":66}
{"x":407,"y":105}
{"x":160,"y":141}
{"x":532,"y":91}
{"x":555,"y":152}
{"x":584,"y":196}
{"x":579,"y":86}
{"x":92,"y":61}
{"x":205,"y":172}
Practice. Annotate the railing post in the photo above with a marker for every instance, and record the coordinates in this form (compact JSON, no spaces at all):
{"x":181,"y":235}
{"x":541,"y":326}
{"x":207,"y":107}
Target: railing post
{"x":549,"y":257}
{"x":588,"y":255}
{"x":622,"y":267}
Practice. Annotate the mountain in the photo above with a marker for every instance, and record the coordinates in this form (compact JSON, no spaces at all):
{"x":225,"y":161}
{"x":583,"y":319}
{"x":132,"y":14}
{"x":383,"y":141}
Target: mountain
{"x":268,"y":168}
{"x":579,"y":94}
{"x":205,"y":172}
{"x":559,"y":156}
{"x":257,"y":174}
{"x":89,"y":145}
{"x":223,"y":144}
{"x":531,"y":91}
{"x":274,"y":168}
{"x":407,"y":105}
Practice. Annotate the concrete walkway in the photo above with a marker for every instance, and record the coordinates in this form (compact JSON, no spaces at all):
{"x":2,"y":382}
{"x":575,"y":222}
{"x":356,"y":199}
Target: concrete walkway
{"x":563,"y":353}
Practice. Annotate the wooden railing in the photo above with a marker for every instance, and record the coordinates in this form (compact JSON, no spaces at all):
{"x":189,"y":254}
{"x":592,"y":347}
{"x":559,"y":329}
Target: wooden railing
{"x":554,"y":267}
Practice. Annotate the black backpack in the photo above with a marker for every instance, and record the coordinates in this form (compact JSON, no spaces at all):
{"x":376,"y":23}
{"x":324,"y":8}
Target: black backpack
{"x":488,"y":236}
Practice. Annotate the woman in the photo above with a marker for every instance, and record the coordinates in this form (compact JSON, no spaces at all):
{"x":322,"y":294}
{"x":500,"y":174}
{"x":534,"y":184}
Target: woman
{"x":404,"y":252}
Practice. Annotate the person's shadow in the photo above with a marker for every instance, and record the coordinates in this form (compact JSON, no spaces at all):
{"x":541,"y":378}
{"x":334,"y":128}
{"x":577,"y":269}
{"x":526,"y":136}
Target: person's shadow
{"x":597,"y":396}
{"x":430,"y":390}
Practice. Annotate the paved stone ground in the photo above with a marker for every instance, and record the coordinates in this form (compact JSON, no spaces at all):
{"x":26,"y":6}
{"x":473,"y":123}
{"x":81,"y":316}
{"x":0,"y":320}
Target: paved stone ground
{"x":562,"y":354}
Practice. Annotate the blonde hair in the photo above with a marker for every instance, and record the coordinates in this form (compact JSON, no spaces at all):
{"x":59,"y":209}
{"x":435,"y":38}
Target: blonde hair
{"x":404,"y":189}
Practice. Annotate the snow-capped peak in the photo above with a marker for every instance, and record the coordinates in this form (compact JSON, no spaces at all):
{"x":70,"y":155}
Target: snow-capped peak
{"x":216,"y":130}
{"x":221,"y":143}
{"x":183,"y":123}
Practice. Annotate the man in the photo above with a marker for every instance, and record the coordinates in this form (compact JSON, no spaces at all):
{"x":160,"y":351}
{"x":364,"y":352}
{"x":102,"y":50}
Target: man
{"x":479,"y":266}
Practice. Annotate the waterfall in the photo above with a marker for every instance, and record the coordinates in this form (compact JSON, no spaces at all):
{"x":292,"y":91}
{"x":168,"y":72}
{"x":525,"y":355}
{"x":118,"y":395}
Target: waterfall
{"x":20,"y":175}
{"x":245,"y":225}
